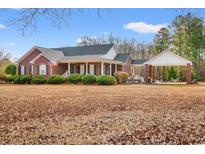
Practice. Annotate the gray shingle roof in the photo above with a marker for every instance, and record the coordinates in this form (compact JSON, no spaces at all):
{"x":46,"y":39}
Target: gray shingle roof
{"x":85,"y":50}
{"x":81,"y":52}
{"x":139,"y":61}
{"x":53,"y":55}
{"x":122,"y":57}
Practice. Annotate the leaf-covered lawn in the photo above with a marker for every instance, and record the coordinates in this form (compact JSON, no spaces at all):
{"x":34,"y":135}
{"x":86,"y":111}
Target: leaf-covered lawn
{"x":78,"y":114}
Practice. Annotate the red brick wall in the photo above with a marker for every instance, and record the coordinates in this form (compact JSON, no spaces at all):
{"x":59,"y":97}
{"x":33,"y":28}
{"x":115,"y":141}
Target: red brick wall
{"x":60,"y":68}
{"x":38,"y":62}
{"x":27,"y":59}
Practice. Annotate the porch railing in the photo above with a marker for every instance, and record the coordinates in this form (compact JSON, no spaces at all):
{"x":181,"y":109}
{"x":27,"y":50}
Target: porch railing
{"x":65,"y":75}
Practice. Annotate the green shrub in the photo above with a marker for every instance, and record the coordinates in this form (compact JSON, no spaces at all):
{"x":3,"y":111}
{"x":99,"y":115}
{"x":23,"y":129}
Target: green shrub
{"x":89,"y":79}
{"x":121,"y":77}
{"x":56,"y":79}
{"x":11,"y":69}
{"x":23,"y":79}
{"x":106,"y":80}
{"x":172,"y":74}
{"x":38,"y":80}
{"x":75,"y":78}
{"x":10,"y":79}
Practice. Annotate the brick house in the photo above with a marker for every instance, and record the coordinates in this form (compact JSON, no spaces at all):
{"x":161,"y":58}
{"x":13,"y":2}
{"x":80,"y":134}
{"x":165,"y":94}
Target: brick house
{"x":103,"y":59}
{"x":96,"y":59}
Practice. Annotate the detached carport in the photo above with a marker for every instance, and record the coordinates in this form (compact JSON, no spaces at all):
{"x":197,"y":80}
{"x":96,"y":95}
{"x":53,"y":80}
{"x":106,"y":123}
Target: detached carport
{"x":167,"y":58}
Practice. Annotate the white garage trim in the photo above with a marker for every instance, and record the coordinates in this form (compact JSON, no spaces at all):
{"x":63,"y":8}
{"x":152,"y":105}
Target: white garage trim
{"x":168,"y":58}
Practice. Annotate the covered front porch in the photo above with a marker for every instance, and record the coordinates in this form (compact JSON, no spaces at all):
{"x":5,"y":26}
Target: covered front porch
{"x":93,"y":67}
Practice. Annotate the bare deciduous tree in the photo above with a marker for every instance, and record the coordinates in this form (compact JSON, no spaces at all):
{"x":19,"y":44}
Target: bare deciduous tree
{"x":28,"y":18}
{"x":4,"y":55}
{"x":138,"y":50}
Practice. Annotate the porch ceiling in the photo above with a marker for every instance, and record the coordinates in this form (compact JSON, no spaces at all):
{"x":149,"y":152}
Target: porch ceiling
{"x":87,"y":58}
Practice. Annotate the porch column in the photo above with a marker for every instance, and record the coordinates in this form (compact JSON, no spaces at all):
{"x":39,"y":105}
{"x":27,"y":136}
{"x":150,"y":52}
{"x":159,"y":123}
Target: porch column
{"x":110,"y":69}
{"x":102,"y":68}
{"x":86,"y":67}
{"x":188,"y":73}
{"x":68,"y":69}
{"x":115,"y":67}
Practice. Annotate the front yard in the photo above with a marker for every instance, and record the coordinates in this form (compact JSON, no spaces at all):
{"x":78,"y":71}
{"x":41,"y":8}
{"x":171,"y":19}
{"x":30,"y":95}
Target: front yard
{"x":121,"y":114}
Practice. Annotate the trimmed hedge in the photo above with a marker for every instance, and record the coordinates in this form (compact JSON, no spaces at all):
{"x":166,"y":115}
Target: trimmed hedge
{"x":106,"y":80}
{"x":56,"y":79}
{"x":38,"y":80}
{"x":75,"y":78}
{"x":89,"y":79}
{"x":23,"y":79}
{"x":121,"y":77}
{"x":10,"y":79}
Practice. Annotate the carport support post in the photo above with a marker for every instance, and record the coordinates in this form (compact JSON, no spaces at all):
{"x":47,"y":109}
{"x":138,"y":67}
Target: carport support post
{"x":146,"y":73}
{"x":188,"y":73}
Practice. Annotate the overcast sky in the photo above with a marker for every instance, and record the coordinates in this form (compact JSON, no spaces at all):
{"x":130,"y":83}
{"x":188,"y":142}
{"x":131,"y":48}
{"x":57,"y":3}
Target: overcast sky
{"x":141,"y":24}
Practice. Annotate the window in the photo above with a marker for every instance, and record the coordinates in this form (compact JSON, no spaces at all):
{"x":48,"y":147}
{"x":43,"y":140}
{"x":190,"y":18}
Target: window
{"x":91,"y":69}
{"x":22,"y":70}
{"x":42,"y":69}
{"x":82,"y":71}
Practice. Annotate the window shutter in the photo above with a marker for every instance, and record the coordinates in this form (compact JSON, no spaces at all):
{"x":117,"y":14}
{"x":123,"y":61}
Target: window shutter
{"x":30,"y":69}
{"x":84,"y":68}
{"x":38,"y":70}
{"x":46,"y":69}
{"x":24,"y":70}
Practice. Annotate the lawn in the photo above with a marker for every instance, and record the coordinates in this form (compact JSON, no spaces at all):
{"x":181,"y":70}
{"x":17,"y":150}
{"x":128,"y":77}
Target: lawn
{"x":78,"y":114}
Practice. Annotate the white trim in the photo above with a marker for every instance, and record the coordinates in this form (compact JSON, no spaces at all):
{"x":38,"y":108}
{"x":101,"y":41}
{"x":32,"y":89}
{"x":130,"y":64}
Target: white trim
{"x":102,"y":68}
{"x":37,"y":57}
{"x":29,"y":52}
{"x":110,"y":69}
{"x":91,"y":61}
{"x":167,"y":51}
{"x":111,"y":54}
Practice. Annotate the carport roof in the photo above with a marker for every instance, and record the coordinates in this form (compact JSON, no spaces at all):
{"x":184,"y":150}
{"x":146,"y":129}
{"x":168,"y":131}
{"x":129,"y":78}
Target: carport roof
{"x":168,"y":58}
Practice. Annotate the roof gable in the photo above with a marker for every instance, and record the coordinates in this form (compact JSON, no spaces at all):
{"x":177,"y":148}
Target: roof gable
{"x":122,"y":57}
{"x":168,"y":58}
